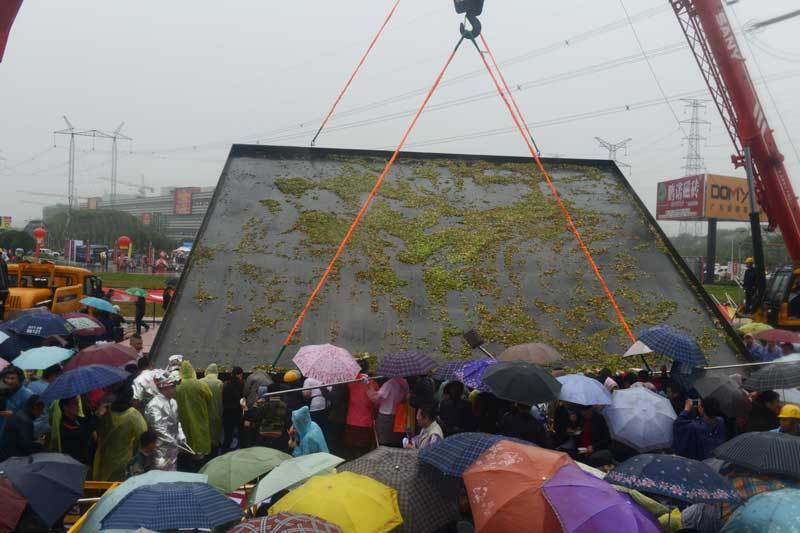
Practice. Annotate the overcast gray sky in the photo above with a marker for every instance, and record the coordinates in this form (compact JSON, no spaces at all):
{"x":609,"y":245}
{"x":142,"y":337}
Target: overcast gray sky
{"x":191,"y":77}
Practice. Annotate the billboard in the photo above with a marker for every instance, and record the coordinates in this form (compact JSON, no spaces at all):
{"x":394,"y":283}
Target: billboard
{"x":146,"y":219}
{"x":183,"y":200}
{"x":727,"y":199}
{"x":681,"y":199}
{"x":5,"y":223}
{"x":91,"y":203}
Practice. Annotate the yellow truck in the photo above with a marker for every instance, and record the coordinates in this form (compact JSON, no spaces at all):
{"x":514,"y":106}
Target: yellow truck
{"x":55,"y":287}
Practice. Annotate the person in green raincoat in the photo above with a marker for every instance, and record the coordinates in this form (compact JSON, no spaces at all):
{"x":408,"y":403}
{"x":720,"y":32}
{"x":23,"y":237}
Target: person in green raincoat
{"x":215,"y":407}
{"x":194,"y":398}
{"x":118,"y":433}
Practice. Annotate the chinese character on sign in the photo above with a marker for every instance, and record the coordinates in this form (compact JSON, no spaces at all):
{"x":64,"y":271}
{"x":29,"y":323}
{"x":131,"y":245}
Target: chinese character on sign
{"x":670,"y":192}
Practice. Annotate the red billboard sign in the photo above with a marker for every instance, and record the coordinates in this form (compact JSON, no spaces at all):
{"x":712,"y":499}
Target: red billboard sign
{"x":681,"y":199}
{"x":183,"y":200}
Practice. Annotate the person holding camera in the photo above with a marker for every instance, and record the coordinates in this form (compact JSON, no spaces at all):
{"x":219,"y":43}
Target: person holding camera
{"x":699,"y":428}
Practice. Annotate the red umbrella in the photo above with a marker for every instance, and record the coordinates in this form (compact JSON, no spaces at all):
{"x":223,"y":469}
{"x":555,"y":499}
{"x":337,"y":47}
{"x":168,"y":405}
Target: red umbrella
{"x":13,"y":505}
{"x":778,"y":336}
{"x":103,"y":354}
{"x":85,"y":325}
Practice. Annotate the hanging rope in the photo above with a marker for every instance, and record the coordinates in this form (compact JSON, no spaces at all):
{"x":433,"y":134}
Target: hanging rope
{"x":564,"y":211}
{"x":367,"y":202}
{"x":358,"y":67}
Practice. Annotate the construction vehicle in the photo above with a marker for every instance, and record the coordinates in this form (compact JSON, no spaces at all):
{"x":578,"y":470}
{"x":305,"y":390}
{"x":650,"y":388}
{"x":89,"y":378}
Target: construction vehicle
{"x":54,"y":287}
{"x":711,"y":38}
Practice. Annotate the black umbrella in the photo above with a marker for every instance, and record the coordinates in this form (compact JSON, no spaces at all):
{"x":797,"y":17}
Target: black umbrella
{"x":15,"y":343}
{"x":731,"y":397}
{"x":775,"y":376}
{"x":428,"y":499}
{"x":51,"y":482}
{"x":764,"y":452}
{"x":521,"y":382}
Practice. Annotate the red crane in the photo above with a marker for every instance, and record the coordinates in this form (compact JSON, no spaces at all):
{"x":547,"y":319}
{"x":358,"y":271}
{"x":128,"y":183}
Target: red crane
{"x":711,"y":38}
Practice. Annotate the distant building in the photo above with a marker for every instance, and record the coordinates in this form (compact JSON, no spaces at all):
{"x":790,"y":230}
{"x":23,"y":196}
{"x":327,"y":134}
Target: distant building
{"x":177,"y":212}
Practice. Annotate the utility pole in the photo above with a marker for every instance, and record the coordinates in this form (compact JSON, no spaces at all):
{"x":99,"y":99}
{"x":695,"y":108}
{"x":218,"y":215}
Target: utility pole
{"x":694,"y":162}
{"x":114,"y":137}
{"x":613,"y":148}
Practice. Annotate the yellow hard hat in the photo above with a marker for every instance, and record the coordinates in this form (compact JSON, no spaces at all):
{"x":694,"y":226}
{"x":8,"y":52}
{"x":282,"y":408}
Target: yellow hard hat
{"x":291,"y":376}
{"x":796,"y":272}
{"x":790,"y":411}
{"x":749,"y":261}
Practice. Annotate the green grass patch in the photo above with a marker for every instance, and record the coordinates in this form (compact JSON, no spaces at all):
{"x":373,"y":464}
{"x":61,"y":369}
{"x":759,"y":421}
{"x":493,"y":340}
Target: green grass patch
{"x":125,"y":280}
{"x":719,"y":292}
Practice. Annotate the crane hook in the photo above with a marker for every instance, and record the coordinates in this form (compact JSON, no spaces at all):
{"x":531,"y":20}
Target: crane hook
{"x":475,"y":30}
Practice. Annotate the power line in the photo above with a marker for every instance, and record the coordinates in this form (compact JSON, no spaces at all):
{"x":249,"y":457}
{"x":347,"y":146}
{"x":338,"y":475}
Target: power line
{"x":694,"y":162}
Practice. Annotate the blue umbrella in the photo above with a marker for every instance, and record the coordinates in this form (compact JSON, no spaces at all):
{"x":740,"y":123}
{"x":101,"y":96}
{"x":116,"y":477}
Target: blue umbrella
{"x":471,"y":374}
{"x":112,"y":497}
{"x":582,"y":390}
{"x":82,"y":380}
{"x":15,"y":343}
{"x":769,"y":511}
{"x":447,"y":371}
{"x":675,"y":477}
{"x":673,"y":343}
{"x":457,"y":453}
{"x":39,"y":324}
{"x":51,"y":482}
{"x":42,"y":357}
{"x":99,"y":303}
{"x":178,"y":505}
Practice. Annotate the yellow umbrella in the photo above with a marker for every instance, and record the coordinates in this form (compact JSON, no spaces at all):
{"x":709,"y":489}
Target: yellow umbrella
{"x":754,"y":327}
{"x":357,"y":504}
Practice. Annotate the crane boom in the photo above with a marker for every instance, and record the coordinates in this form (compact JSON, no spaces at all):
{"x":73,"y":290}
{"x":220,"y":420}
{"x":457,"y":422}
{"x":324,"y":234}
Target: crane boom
{"x":722,"y":64}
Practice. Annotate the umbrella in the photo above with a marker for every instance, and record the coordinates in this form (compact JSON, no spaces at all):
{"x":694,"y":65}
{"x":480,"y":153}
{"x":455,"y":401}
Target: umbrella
{"x":326,"y":363}
{"x":85,"y":325}
{"x":136,"y":291}
{"x":504,"y":488}
{"x":640,"y":418}
{"x":732,"y":398}
{"x":521,"y":382}
{"x":99,"y":303}
{"x":39,"y":324}
{"x":12,"y":344}
{"x":292,"y":472}
{"x":107,"y":353}
{"x":3,"y":364}
{"x":405,"y":364}
{"x":230,"y":471}
{"x":748,"y":483}
{"x":111,"y":498}
{"x":175,"y":505}
{"x":355,"y":503}
{"x":471,"y":373}
{"x":13,"y":505}
{"x":82,"y":380}
{"x":42,"y":357}
{"x":172,"y":282}
{"x":769,"y":511}
{"x":673,"y":343}
{"x":780,"y":376}
{"x":675,"y":477}
{"x":534,"y":352}
{"x":447,"y":371}
{"x":754,"y":327}
{"x":582,"y":390}
{"x":286,"y":523}
{"x":778,"y":335}
{"x":787,"y":395}
{"x":764,"y":452}
{"x":457,"y":452}
{"x":638,"y":348}
{"x":601,"y":508}
{"x":428,"y":500}
{"x":51,"y":482}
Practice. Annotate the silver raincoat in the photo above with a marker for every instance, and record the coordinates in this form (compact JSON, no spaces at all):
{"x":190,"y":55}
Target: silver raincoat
{"x":144,"y":386}
{"x":161,"y":414}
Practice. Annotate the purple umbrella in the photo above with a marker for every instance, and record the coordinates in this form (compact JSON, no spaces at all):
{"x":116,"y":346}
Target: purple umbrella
{"x":586,"y":504}
{"x":471,"y":374}
{"x":405,"y":364}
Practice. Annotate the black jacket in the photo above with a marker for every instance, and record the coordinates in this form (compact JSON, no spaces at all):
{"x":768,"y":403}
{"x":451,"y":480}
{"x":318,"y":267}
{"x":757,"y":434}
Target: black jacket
{"x":761,"y":418}
{"x":76,"y":438}
{"x":17,"y":439}
{"x":749,"y":281}
{"x":520,"y":424}
{"x":231,"y":395}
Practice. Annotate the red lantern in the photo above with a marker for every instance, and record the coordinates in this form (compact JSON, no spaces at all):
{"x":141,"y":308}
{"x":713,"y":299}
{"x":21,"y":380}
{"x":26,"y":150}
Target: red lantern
{"x":124,"y":242}
{"x":40,"y":234}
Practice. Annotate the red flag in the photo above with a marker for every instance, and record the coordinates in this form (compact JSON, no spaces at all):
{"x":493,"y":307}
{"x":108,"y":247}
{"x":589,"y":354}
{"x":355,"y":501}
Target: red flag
{"x":8,"y":12}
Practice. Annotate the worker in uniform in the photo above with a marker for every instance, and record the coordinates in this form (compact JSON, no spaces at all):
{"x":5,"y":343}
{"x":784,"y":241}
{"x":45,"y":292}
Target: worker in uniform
{"x":749,"y":285}
{"x":161,"y":414}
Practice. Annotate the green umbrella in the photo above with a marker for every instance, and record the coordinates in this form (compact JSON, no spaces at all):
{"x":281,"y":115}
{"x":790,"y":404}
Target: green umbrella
{"x":136,"y":291}
{"x":292,"y":472}
{"x":230,"y":471}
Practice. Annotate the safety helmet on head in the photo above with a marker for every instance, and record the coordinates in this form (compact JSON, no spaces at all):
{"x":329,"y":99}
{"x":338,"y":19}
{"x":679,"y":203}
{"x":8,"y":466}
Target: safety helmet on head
{"x":291,"y":376}
{"x":749,"y":261}
{"x":790,"y":411}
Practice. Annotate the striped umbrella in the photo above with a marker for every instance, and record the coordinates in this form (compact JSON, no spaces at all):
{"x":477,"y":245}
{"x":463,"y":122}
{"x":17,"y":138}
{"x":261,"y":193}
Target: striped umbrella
{"x":405,"y":364}
{"x":673,"y":343}
{"x":326,"y":363}
{"x":764,"y":452}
